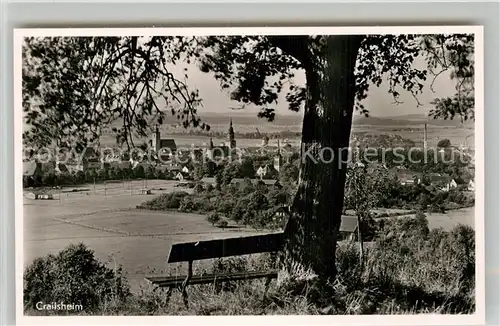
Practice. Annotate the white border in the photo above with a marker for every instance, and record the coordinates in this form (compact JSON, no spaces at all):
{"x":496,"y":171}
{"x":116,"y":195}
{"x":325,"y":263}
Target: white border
{"x":475,"y":319}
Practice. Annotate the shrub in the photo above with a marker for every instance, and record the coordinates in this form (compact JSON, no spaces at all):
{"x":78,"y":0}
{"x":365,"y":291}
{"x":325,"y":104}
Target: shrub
{"x":444,"y":143}
{"x":213,"y":218}
{"x":222,"y":224}
{"x":369,"y":228}
{"x":198,"y":188}
{"x":74,"y":275}
{"x":165,"y":201}
{"x":187,"y":204}
{"x":225,"y":206}
{"x":436,"y":208}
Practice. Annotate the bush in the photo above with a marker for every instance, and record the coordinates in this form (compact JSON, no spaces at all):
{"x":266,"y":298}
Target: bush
{"x":436,"y":208}
{"x":369,"y":228}
{"x":444,"y":143}
{"x":165,"y":201}
{"x":213,"y":218}
{"x":409,"y":274}
{"x":73,"y":276}
{"x":198,"y":188}
{"x":222,"y":224}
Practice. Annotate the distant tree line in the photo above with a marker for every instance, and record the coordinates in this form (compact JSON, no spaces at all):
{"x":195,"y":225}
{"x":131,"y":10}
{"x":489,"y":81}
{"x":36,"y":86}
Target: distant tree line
{"x":51,"y":178}
{"x":449,"y":161}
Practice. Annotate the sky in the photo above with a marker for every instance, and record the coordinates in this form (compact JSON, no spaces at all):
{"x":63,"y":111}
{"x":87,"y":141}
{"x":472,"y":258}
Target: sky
{"x":379,"y":102}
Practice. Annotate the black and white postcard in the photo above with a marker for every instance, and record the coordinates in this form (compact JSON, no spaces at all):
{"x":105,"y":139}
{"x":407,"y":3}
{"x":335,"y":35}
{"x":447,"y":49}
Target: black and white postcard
{"x":322,"y":175}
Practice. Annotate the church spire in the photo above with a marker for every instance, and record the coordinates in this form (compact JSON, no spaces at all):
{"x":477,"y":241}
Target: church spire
{"x":278,"y":159}
{"x":211,"y":143}
{"x":232,"y":140}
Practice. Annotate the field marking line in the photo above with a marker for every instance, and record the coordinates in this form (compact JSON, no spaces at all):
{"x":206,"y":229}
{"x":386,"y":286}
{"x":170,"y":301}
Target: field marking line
{"x":162,"y":236}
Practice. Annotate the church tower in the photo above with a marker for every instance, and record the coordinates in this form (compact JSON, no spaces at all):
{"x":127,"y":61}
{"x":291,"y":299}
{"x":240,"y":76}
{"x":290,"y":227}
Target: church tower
{"x":232,"y":141}
{"x":210,"y":150}
{"x":278,"y":159}
{"x":155,"y":139}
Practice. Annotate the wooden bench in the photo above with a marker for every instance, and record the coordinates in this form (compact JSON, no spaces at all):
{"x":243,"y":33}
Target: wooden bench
{"x":192,"y":251}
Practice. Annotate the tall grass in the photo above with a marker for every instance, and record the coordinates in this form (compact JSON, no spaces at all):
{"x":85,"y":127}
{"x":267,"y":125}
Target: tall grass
{"x":408,"y":270}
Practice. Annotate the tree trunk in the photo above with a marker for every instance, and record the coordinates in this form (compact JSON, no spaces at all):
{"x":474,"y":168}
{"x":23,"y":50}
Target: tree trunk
{"x":311,"y":233}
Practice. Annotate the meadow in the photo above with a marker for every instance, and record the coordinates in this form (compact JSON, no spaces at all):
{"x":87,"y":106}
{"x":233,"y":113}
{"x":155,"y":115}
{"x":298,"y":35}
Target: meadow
{"x":108,"y":222}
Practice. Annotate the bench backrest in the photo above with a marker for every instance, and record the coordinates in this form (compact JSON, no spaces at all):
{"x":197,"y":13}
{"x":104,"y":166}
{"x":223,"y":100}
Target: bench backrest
{"x":219,"y":248}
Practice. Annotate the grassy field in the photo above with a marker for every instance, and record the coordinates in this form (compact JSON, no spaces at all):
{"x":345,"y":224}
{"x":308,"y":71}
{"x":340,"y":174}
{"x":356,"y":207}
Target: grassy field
{"x":139,"y":240}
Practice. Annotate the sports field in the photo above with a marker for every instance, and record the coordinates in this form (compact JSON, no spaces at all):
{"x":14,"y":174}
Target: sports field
{"x":139,"y":240}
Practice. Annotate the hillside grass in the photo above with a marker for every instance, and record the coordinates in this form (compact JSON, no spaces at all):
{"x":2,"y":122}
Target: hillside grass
{"x":409,"y":270}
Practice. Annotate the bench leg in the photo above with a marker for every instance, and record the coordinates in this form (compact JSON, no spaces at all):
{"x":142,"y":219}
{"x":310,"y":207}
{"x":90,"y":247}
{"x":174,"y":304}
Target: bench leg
{"x":169,"y":294}
{"x":185,"y":283}
{"x":268,"y":282}
{"x":185,"y":297}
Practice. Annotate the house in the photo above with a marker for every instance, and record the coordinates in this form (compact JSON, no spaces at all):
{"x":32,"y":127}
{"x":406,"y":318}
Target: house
{"x":90,"y":152}
{"x":450,"y":185}
{"x":196,"y":154}
{"x":174,"y":168}
{"x":91,"y":164}
{"x":145,"y":191}
{"x":444,"y":181}
{"x":61,"y":168}
{"x":167,"y":145}
{"x":217,"y":152}
{"x":44,"y":196}
{"x":32,"y":173}
{"x":236,"y":181}
{"x":31,"y":168}
{"x":407,"y":177}
{"x":267,"y":182}
{"x":266,"y":171}
{"x":181,"y":176}
{"x":185,"y":169}
{"x":471,"y":186}
{"x":438,"y":177}
{"x":262,"y":171}
{"x":75,"y":168}
{"x":281,"y":214}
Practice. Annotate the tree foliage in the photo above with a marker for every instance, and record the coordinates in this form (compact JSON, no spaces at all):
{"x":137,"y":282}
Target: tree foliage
{"x":74,"y":87}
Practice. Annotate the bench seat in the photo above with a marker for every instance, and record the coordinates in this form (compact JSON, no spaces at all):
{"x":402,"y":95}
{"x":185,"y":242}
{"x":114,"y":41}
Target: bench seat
{"x":177,"y":280}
